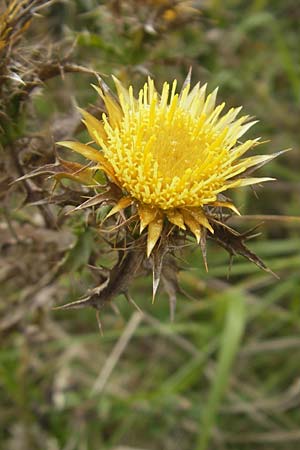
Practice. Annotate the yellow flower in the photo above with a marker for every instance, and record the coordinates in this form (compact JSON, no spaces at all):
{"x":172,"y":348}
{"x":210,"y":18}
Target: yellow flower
{"x":170,"y":154}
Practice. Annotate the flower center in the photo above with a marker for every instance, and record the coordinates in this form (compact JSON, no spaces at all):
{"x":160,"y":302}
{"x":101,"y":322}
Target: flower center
{"x":178,"y":145}
{"x":164,"y":156}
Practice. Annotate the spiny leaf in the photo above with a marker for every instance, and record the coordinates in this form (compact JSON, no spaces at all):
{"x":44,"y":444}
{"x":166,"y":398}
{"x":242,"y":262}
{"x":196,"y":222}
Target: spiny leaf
{"x":95,"y":200}
{"x":233,"y":242}
{"x":43,"y":170}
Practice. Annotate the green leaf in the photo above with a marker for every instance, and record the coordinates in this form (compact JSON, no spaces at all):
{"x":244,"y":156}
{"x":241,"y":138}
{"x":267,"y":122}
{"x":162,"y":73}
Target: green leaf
{"x":79,"y":255}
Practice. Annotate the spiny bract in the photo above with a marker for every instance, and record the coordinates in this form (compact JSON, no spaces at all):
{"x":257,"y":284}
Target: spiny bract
{"x":170,"y":154}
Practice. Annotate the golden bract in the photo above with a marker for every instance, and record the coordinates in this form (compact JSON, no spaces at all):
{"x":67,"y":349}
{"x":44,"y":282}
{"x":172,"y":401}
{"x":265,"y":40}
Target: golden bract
{"x":171,"y":154}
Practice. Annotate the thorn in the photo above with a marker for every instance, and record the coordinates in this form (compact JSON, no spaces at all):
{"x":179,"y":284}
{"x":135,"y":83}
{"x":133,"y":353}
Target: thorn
{"x":186,"y":294}
{"x":157,"y":262}
{"x":255,"y":193}
{"x":130,"y":300}
{"x":115,"y":309}
{"x":99,"y":322}
{"x":272,"y":273}
{"x":82,"y":303}
{"x":203,"y":248}
{"x":155,"y":284}
{"x":248,"y":234}
{"x":187,"y":81}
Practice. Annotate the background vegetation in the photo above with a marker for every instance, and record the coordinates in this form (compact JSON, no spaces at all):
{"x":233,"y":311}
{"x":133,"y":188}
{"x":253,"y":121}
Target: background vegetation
{"x":226,"y":373}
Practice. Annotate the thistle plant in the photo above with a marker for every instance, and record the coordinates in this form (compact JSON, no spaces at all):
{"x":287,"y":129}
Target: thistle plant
{"x":168,"y":160}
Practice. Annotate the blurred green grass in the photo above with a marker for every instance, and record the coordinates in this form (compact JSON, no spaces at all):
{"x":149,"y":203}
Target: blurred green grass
{"x":225,"y":373}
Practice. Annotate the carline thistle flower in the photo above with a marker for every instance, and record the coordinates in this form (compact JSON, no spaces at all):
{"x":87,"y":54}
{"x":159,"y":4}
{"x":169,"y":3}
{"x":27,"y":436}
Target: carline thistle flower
{"x":172,"y":155}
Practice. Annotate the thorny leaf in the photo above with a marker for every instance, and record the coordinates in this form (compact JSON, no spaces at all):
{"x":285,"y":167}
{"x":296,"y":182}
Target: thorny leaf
{"x":96,"y":200}
{"x":111,"y":194}
{"x":80,"y":173}
{"x":234,"y":243}
{"x":47,"y":169}
{"x":69,"y":197}
{"x":119,"y":280}
{"x":132,"y":260}
{"x":73,"y":171}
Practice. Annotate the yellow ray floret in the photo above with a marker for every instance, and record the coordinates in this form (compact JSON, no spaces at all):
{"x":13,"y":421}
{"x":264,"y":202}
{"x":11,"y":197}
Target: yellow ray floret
{"x":171,"y":154}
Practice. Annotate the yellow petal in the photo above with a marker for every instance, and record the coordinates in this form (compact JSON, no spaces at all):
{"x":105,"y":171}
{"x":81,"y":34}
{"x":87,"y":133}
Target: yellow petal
{"x":113,"y":108}
{"x":246,"y":163}
{"x":92,"y":154}
{"x":175,"y":217}
{"x":94,"y":126}
{"x":123,"y":203}
{"x":154,"y":232}
{"x":85,"y":150}
{"x":199,"y":215}
{"x":228,"y":205}
{"x":257,"y":159}
{"x":192,"y":224}
{"x":123,"y":93}
{"x":108,"y":171}
{"x":241,"y":149}
{"x":250,"y":181}
{"x":147,"y":215}
{"x":210,"y":102}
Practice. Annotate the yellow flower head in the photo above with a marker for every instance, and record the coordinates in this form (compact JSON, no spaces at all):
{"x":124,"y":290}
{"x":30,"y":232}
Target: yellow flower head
{"x":171,"y":154}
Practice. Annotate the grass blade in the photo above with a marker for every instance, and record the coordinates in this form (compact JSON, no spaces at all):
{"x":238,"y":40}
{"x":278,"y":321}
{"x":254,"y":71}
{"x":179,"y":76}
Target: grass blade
{"x":230,"y":341}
